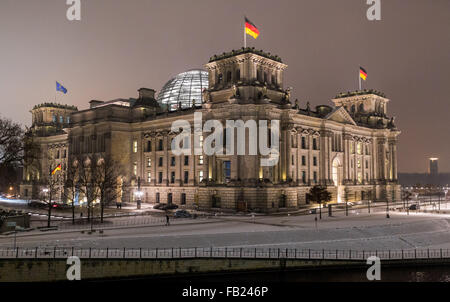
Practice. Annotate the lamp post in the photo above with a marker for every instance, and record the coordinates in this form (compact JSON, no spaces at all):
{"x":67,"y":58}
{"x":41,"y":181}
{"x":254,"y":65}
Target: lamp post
{"x":445,"y":196}
{"x":138,"y":194}
{"x":418,"y":201}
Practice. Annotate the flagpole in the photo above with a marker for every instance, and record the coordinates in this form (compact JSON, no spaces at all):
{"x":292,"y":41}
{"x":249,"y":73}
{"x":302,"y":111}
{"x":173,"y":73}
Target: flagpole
{"x":359,"y":76}
{"x":245,"y":36}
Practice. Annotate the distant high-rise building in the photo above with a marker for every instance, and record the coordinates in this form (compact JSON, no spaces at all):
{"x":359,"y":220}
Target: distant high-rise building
{"x":433,"y":170}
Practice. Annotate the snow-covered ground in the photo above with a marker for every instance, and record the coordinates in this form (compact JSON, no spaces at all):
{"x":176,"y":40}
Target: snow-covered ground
{"x":356,"y":232}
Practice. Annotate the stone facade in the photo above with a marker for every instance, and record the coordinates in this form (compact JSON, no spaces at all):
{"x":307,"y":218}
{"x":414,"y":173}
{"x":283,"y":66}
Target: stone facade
{"x":351,"y":147}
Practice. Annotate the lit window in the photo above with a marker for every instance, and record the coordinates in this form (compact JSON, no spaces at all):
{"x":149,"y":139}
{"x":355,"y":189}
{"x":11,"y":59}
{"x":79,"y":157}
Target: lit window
{"x":200,"y":176}
{"x":359,"y":177}
{"x":149,"y":162}
{"x":149,"y":176}
{"x":200,"y":159}
{"x":359,"y":163}
{"x":358,"y":148}
{"x":135,"y":168}
{"x":135,"y":146}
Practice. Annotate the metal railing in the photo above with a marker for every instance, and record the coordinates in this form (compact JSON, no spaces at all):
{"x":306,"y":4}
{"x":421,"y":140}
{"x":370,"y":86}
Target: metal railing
{"x":219,"y":252}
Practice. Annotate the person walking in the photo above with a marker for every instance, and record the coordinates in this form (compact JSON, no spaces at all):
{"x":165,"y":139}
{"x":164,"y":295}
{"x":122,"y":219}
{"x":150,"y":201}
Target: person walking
{"x":167,"y":220}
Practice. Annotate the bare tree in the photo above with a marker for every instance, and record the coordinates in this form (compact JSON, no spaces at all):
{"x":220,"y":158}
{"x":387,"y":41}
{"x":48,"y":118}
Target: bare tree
{"x":71,"y":186}
{"x":86,"y":181}
{"x":106,"y":176}
{"x":11,"y":146}
{"x":52,"y":184}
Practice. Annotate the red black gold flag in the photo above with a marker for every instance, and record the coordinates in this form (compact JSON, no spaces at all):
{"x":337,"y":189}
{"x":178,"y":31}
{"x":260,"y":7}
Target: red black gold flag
{"x":58,"y":168}
{"x":250,"y":29}
{"x":362,"y":73}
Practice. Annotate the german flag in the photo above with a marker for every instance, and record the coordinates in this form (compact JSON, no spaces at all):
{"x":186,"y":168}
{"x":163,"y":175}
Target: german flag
{"x":58,"y":168}
{"x":362,"y":73}
{"x":250,"y":29}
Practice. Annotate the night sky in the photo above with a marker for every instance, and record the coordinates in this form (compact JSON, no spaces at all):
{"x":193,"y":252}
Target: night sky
{"x":120,"y":46}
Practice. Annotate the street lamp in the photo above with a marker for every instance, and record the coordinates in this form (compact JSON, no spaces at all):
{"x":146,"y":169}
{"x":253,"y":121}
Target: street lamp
{"x":138,"y":195}
{"x":445,"y":196}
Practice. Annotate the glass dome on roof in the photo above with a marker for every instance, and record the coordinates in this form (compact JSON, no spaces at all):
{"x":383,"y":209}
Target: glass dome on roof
{"x":184,"y":88}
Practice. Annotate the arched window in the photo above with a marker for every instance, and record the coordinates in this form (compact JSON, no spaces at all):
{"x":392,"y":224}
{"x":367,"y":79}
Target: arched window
{"x":228,"y":76}
{"x":361,"y":107}
{"x":353,"y":108}
{"x":238,"y":75}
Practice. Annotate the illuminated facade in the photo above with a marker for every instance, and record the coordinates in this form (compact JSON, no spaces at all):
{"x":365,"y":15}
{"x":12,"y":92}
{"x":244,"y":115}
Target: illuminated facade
{"x":350,"y":147}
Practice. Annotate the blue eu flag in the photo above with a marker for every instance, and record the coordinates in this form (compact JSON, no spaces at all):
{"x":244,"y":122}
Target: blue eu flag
{"x":61,"y":88}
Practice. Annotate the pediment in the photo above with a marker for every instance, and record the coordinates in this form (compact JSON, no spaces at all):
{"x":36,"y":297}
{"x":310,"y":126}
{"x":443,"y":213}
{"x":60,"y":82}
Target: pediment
{"x":340,"y":115}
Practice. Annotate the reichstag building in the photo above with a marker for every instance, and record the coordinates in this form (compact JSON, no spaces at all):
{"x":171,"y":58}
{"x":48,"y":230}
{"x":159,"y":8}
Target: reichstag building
{"x":350,"y":147}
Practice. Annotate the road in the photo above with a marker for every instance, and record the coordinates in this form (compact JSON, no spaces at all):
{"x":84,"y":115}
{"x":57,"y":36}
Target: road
{"x":359,"y":231}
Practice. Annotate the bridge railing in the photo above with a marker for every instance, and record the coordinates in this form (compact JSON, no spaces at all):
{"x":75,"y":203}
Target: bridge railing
{"x":219,"y":252}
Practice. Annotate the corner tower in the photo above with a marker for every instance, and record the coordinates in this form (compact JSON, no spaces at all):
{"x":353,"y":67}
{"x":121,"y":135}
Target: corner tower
{"x":248,"y":75}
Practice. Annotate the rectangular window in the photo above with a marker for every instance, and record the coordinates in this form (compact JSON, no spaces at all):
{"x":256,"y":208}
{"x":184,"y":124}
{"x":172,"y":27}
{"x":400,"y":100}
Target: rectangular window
{"x":64,"y":153}
{"x":149,"y":176}
{"x":135,"y":168}
{"x":359,"y":163}
{"x":315,"y":177}
{"x":227,"y":170}
{"x":367,"y":164}
{"x":292,"y":160}
{"x":303,"y":142}
{"x":359,"y":148}
{"x":315,"y":144}
{"x":314,"y":161}
{"x":149,"y":146}
{"x":200,"y":176}
{"x":157,"y":198}
{"x":160,"y":162}
{"x":135,"y":146}
{"x":303,"y":160}
{"x":183,"y":198}
{"x":149,"y":162}
{"x":160,"y":177}
{"x":200,"y":159}
{"x":304,"y":177}
{"x":172,"y":177}
{"x":169,"y":198}
{"x":186,"y":177}
{"x":186,"y":160}
{"x":160,"y":145}
{"x":172,"y":161}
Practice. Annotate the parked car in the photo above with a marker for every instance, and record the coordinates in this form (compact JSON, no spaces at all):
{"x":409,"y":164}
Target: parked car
{"x":313,"y":211}
{"x":37,"y":204}
{"x":163,"y":206}
{"x":414,"y":207}
{"x":182,"y":214}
